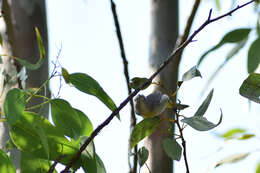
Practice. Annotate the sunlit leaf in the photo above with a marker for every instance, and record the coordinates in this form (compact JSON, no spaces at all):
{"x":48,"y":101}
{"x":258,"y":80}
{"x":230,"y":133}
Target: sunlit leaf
{"x":143,"y":154}
{"x":232,"y":159}
{"x":44,"y":141}
{"x":65,"y":75}
{"x":257,"y":170}
{"x":172,"y":148}
{"x":6,"y":164}
{"x":234,"y":36}
{"x":204,"y":106}
{"x":86,"y":126}
{"x":191,"y":73}
{"x":146,"y":127}
{"x":253,"y":57}
{"x":14,"y":105}
{"x":88,"y":85}
{"x":65,"y":118}
{"x":201,"y":123}
{"x":137,"y":82}
{"x":217,"y":4}
{"x":251,"y":87}
{"x":233,"y":133}
{"x":246,"y":136}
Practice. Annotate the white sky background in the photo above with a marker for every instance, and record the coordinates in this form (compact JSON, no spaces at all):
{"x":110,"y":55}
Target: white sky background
{"x":85,"y":30}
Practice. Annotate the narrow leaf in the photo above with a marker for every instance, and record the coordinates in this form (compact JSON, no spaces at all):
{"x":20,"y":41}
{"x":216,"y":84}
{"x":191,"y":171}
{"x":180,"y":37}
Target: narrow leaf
{"x":146,"y":127}
{"x":250,"y":88}
{"x":246,"y":136}
{"x":234,"y":36}
{"x":14,"y":105}
{"x":232,"y":159}
{"x":253,"y":57}
{"x":204,"y":106}
{"x":65,"y":118}
{"x":88,"y":85}
{"x":193,"y":72}
{"x":93,"y":165}
{"x":137,"y":82}
{"x":201,"y":123}
{"x":65,"y":75}
{"x":143,"y":154}
{"x":172,"y":148}
{"x":233,"y":133}
{"x":6,"y":164}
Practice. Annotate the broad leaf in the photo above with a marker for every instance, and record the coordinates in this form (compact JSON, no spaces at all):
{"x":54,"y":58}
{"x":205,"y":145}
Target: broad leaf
{"x":32,"y":164}
{"x":90,"y":150}
{"x":233,"y":133}
{"x":172,"y":148}
{"x":193,"y":72}
{"x":44,"y":140}
{"x":143,"y":154}
{"x":86,"y":126}
{"x":201,"y":123}
{"x":253,"y":57}
{"x":137,"y":82}
{"x":204,"y":106}
{"x":146,"y":127}
{"x":14,"y":105}
{"x":6,"y":164}
{"x":93,"y":165}
{"x":88,"y":85}
{"x":232,"y":159}
{"x":251,"y":87}
{"x":65,"y":118}
{"x":234,"y":36}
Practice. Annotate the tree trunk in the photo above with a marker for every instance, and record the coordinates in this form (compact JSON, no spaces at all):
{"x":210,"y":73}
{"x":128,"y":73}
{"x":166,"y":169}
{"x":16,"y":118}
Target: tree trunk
{"x":19,"y":17}
{"x":163,"y":39}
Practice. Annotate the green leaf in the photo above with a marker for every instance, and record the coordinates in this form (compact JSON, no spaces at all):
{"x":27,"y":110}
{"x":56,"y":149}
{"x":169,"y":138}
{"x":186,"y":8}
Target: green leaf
{"x":65,"y":75}
{"x":250,"y":88}
{"x":234,"y":36}
{"x":232,"y":159}
{"x":90,"y":150}
{"x":246,"y":136}
{"x":14,"y":105}
{"x":253,"y":57}
{"x":65,"y":118}
{"x":172,"y":148}
{"x":86,"y":127}
{"x":88,"y":85}
{"x":204,"y":106}
{"x":258,"y":25}
{"x":146,"y":127}
{"x":232,"y":133}
{"x":137,"y":82}
{"x":93,"y":165}
{"x":201,"y":123}
{"x":143,"y":154}
{"x":44,"y":141}
{"x":40,"y":44}
{"x":257,"y":170}
{"x":1,"y":40}
{"x":217,"y":4}
{"x":193,"y":72}
{"x":32,"y":164}
{"x":6,"y":164}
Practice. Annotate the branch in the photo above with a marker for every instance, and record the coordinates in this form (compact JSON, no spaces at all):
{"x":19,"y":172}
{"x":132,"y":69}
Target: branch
{"x":147,"y":83}
{"x":127,"y":78}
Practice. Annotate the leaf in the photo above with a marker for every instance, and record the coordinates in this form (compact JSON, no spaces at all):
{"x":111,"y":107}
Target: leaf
{"x":6,"y":164}
{"x":232,"y":159}
{"x":204,"y":106}
{"x":65,"y":75}
{"x":38,"y":64}
{"x":257,"y":170}
{"x":86,"y":126}
{"x":44,"y":141}
{"x":250,"y":88}
{"x":93,"y":165}
{"x":258,"y":25}
{"x":137,"y":82}
{"x":172,"y":148}
{"x":1,"y":40}
{"x":14,"y":105}
{"x":232,"y":133}
{"x":90,"y":150}
{"x":253,"y":57}
{"x":217,"y":4}
{"x":246,"y":136}
{"x":201,"y":123}
{"x":88,"y":85}
{"x":143,"y":154}
{"x":146,"y":127}
{"x":234,"y":36}
{"x":193,"y":72}
{"x":32,"y":164}
{"x":65,"y":118}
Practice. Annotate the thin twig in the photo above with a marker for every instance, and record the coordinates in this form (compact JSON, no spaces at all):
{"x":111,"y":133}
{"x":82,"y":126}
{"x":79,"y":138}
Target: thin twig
{"x":183,"y":142}
{"x":127,"y":78}
{"x":148,"y":82}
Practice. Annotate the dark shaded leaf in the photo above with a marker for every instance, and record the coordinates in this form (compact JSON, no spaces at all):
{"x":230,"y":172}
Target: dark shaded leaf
{"x":234,"y":36}
{"x":172,"y":148}
{"x":88,"y":85}
{"x":246,"y":136}
{"x":204,"y":106}
{"x":143,"y":154}
{"x":6,"y":164}
{"x":137,"y":82}
{"x":253,"y":57}
{"x":250,"y":88}
{"x":93,"y":165}
{"x":146,"y":127}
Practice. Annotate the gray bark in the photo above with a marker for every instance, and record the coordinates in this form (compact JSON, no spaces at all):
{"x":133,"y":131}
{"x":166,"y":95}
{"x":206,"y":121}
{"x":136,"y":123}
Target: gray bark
{"x":163,"y":39}
{"x":17,"y":29}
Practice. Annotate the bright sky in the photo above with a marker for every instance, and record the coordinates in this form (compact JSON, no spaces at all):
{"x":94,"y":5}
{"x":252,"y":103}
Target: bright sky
{"x":85,"y":30}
